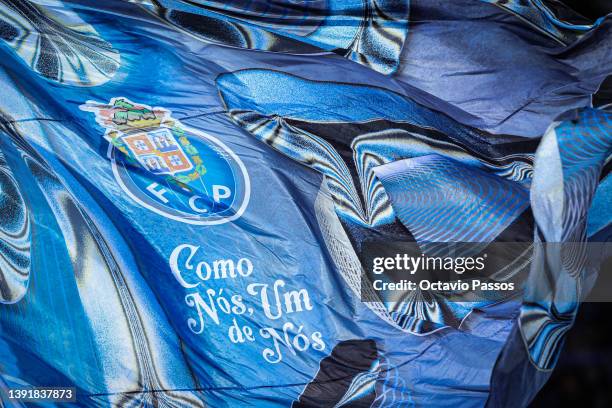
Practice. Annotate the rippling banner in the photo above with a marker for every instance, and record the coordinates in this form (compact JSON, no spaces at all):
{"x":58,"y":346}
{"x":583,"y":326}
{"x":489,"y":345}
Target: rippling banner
{"x":189,"y":190}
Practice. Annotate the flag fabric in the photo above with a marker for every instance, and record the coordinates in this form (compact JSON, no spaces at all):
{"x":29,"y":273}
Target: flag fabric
{"x":187,"y":189}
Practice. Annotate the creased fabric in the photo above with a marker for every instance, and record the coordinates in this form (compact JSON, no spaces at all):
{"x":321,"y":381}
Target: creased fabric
{"x":188,"y":188}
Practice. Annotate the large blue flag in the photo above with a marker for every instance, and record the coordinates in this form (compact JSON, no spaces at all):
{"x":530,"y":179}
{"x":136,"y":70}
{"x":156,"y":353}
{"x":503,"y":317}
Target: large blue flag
{"x":188,"y":190}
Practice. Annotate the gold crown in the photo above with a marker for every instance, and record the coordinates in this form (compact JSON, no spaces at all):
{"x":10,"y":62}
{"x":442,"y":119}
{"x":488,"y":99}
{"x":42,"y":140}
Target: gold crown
{"x":123,"y":115}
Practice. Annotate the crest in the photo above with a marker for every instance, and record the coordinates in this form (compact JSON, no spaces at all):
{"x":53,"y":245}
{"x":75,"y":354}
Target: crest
{"x":174,"y":170}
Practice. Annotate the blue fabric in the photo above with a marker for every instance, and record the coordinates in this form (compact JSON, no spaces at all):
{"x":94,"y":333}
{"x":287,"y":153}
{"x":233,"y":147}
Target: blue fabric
{"x":186,"y":189}
{"x":468,"y":54}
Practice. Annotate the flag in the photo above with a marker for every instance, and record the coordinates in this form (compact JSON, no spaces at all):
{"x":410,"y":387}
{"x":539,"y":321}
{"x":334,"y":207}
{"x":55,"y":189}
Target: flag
{"x":189,"y":191}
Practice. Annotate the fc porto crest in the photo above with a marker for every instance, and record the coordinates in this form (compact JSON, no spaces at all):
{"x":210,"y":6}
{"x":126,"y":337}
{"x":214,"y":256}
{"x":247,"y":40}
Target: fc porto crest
{"x":176,"y":171}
